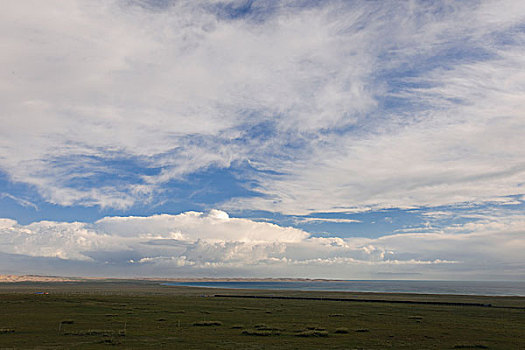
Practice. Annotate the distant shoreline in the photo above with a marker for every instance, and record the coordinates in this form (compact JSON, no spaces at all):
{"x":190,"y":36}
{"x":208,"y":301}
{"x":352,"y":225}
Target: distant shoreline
{"x":7,"y":278}
{"x":481,"y":288}
{"x":40,"y":278}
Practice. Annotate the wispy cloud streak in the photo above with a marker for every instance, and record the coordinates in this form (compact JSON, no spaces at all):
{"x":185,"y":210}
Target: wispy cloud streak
{"x":355,"y":104}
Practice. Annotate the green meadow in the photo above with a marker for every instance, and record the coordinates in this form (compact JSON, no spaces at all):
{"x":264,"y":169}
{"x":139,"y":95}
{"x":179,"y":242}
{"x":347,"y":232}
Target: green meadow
{"x":147,"y":315}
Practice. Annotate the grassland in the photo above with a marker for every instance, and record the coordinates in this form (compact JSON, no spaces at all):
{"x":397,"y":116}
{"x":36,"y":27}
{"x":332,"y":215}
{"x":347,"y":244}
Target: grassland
{"x":146,"y":315}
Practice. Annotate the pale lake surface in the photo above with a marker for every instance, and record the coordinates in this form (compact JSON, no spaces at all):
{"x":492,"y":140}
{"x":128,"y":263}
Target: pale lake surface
{"x":514,"y":288}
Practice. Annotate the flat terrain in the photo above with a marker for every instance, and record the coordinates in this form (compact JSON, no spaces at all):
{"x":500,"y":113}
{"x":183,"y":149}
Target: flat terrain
{"x":147,"y":315}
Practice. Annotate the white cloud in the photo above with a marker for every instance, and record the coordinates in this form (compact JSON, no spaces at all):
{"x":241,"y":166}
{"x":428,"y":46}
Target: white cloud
{"x":465,"y":145}
{"x":20,"y":201}
{"x":86,"y":83}
{"x":7,"y":223}
{"x":215,"y":226}
{"x":178,"y":88}
{"x":314,"y":220}
{"x":194,"y":243}
{"x":52,"y":239}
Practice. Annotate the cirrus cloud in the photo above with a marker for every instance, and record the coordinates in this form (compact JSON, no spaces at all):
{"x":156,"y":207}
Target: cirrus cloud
{"x":348,"y":104}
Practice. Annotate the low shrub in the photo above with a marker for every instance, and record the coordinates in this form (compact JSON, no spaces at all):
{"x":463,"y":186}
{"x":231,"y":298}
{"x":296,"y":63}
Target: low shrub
{"x":341,"y":330}
{"x":362,"y":330}
{"x":237,"y":326}
{"x":336,"y":315}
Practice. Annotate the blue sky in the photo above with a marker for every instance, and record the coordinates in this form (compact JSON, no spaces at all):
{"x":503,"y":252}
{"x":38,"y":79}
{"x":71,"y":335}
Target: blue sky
{"x":336,"y":139}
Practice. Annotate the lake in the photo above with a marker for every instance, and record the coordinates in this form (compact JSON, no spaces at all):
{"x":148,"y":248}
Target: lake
{"x":513,"y":288}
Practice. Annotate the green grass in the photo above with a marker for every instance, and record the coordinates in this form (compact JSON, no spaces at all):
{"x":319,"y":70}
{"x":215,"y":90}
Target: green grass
{"x":312,"y":333}
{"x":207,"y":323}
{"x":260,"y":332}
{"x":144,"y":315}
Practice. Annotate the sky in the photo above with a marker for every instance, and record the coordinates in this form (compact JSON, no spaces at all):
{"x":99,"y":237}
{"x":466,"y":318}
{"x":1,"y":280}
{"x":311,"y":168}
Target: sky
{"x":314,"y":139}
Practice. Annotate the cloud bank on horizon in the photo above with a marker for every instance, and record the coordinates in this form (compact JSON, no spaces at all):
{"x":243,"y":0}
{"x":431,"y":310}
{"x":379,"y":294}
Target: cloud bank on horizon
{"x":301,"y":111}
{"x":204,"y":244}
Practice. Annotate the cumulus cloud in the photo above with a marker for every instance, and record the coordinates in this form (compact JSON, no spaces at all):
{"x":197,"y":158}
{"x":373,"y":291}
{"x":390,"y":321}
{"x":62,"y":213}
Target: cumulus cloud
{"x":214,"y":226}
{"x":195,"y":243}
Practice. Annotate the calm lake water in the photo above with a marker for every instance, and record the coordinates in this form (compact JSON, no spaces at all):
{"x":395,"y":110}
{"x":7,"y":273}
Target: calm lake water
{"x":423,"y":287}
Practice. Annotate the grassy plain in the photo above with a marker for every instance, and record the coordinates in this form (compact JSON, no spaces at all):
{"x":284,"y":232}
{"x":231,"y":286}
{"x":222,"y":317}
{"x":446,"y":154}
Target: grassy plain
{"x":147,"y":315}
